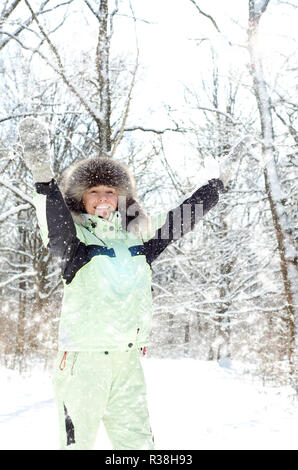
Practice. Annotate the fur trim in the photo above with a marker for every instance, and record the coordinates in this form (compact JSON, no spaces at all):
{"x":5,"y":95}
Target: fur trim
{"x":93,"y":172}
{"x":105,"y":171}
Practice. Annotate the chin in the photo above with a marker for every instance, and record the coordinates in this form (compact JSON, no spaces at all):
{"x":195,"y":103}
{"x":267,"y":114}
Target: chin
{"x":104,"y":215}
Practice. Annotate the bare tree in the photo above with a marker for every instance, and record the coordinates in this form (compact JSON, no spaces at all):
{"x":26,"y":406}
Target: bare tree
{"x":282,"y":225}
{"x":12,"y":31}
{"x":78,"y":109}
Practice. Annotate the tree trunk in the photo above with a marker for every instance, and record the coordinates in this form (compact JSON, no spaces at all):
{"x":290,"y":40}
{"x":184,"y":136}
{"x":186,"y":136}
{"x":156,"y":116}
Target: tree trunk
{"x":283,"y":231}
{"x":22,"y":308}
{"x":102,"y":66}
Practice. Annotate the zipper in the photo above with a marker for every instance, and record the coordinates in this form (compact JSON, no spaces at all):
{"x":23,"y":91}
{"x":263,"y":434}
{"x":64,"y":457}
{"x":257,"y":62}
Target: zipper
{"x":73,"y":362}
{"x":63,"y":361}
{"x":62,"y":364}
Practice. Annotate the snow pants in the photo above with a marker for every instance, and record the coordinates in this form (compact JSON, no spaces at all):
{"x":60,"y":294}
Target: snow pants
{"x":91,"y":387}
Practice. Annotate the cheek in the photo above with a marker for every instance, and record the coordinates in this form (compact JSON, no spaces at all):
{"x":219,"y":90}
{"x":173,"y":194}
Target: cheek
{"x":88,"y":201}
{"x":114,"y":201}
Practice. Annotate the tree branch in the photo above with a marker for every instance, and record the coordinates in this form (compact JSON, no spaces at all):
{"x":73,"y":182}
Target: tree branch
{"x":206,"y":15}
{"x":154,"y":131}
{"x":14,"y":210}
{"x":27,"y":22}
{"x":7,"y":13}
{"x":60,"y":70}
{"x":18,"y":276}
{"x":126,"y":112}
{"x":18,"y":192}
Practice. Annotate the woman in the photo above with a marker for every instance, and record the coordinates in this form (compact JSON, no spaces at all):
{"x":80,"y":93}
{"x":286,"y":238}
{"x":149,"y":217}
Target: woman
{"x":106,"y":244}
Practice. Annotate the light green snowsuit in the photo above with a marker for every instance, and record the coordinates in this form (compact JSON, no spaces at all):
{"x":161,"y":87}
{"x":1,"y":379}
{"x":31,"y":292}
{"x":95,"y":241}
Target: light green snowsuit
{"x":91,"y":387}
{"x":104,"y":327}
{"x":106,"y":315}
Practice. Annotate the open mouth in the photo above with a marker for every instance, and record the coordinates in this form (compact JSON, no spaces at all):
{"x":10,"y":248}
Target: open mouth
{"x":103,"y":210}
{"x":102,"y":207}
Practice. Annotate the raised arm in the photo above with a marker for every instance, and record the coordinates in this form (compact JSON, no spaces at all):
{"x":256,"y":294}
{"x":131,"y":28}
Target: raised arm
{"x":55,"y":221}
{"x":183,"y":218}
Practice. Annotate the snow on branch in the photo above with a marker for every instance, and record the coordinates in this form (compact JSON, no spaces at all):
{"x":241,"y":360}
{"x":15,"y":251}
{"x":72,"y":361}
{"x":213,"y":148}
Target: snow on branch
{"x":6,"y":13}
{"x":17,"y":252}
{"x":35,"y":114}
{"x":214,"y":110}
{"x":18,"y":276}
{"x":14,"y":210}
{"x":29,"y":20}
{"x":257,"y":8}
{"x":17,"y":191}
{"x":24,"y":25}
{"x":59,"y":68}
{"x":154,"y":131}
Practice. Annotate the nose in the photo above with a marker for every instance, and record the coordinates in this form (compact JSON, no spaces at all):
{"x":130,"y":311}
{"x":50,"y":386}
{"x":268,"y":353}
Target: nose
{"x":102,"y":197}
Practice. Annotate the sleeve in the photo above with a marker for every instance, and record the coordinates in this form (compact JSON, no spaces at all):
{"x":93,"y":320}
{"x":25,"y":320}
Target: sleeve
{"x":182,"y":219}
{"x":57,"y":228}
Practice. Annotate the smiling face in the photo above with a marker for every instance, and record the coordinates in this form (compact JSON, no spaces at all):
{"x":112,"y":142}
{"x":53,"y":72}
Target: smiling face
{"x":100,"y":200}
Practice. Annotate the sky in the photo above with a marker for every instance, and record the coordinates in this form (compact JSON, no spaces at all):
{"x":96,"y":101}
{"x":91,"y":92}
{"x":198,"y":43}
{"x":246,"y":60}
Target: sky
{"x":175,"y":43}
{"x":169,"y":34}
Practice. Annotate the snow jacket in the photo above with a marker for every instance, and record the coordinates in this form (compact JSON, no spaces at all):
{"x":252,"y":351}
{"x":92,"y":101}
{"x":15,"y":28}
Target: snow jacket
{"x":106,"y":271}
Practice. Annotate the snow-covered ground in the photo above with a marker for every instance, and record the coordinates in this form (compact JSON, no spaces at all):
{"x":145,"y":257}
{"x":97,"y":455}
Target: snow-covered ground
{"x":193,"y":405}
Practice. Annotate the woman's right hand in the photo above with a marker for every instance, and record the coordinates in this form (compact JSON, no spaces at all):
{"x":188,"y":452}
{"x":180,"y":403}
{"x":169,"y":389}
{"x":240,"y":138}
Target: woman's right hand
{"x":36,"y":149}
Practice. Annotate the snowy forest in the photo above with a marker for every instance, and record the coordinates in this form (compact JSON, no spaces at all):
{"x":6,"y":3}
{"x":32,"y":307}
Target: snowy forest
{"x":162,"y":85}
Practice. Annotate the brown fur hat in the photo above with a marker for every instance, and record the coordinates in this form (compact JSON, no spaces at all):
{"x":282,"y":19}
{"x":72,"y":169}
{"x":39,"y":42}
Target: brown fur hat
{"x":104,"y":171}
